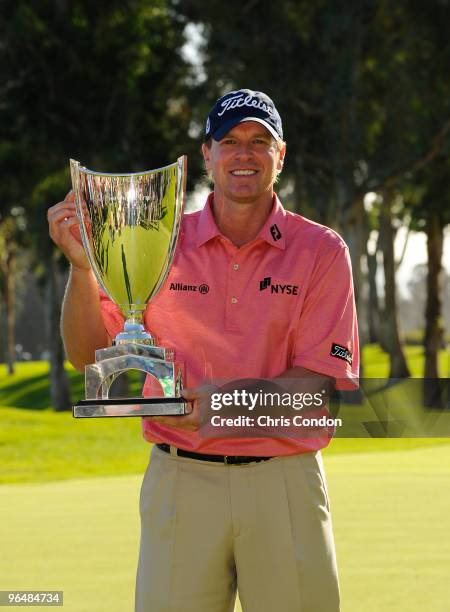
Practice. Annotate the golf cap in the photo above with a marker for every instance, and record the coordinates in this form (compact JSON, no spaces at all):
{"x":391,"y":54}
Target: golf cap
{"x":243,"y":105}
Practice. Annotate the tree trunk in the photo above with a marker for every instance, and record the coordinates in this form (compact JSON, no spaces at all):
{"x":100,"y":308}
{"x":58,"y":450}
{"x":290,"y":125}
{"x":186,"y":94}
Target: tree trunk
{"x":7,"y":264}
{"x":433,"y":310}
{"x":59,"y":383}
{"x":353,"y":230}
{"x":374,"y":305}
{"x":398,"y":366}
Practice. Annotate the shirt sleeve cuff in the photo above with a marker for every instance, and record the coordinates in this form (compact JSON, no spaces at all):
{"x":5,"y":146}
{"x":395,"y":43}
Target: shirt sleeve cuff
{"x":346,"y":379}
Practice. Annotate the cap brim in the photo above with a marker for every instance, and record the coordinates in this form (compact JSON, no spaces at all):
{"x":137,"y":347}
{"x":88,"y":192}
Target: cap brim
{"x":231,"y":123}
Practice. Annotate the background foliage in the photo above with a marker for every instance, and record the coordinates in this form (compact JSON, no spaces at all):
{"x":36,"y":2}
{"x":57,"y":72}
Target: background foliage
{"x":363,"y":88}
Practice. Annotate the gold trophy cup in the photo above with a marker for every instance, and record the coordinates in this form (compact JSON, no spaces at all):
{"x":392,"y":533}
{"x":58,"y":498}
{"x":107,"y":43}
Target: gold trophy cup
{"x":129,"y":225}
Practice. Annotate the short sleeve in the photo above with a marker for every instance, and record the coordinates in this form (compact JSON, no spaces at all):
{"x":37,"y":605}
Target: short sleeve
{"x":327,"y":336}
{"x":111,"y":314}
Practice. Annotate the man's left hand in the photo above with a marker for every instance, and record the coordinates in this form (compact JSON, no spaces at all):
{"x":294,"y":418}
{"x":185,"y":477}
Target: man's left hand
{"x":190,"y":421}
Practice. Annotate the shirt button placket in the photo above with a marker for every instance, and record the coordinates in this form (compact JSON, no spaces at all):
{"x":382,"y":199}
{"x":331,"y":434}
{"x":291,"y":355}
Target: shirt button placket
{"x":234,"y":299}
{"x":233,"y":293}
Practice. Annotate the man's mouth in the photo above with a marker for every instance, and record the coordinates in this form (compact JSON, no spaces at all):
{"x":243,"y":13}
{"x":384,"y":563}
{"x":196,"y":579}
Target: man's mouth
{"x":243,"y":172}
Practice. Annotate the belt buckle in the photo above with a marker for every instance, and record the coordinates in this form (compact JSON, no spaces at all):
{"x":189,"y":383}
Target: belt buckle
{"x":227,"y":458}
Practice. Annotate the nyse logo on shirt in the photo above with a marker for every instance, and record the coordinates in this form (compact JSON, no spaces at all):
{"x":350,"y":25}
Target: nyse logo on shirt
{"x":265,"y":283}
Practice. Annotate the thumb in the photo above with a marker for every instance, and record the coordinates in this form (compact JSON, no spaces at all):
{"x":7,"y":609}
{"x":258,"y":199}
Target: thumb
{"x":189,"y":394}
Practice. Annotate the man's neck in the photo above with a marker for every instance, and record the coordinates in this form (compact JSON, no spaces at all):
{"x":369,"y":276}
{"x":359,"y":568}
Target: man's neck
{"x":241,"y":222}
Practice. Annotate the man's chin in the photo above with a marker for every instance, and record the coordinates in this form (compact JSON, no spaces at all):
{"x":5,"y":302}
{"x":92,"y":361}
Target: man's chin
{"x":245,"y":197}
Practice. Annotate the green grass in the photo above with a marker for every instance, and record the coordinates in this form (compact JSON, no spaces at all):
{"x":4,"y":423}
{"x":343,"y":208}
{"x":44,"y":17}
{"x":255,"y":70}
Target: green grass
{"x":69,"y":498}
{"x":28,"y":387}
{"x":44,"y":446}
{"x":390,"y":516}
{"x":38,"y":445}
{"x":376,"y":361}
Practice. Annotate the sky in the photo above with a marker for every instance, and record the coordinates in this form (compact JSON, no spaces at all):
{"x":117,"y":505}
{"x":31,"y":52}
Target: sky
{"x":416,"y":253}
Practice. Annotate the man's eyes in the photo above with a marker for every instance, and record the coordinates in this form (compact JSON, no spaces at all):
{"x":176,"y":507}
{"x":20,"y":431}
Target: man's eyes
{"x":255,"y":141}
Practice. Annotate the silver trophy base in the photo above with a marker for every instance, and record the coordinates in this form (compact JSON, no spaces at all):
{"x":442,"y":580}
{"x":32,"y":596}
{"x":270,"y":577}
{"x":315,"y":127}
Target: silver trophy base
{"x":130,"y":407}
{"x":113,"y":361}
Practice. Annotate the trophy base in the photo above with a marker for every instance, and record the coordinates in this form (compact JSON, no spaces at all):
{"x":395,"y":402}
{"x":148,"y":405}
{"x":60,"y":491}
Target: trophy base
{"x":130,"y":407}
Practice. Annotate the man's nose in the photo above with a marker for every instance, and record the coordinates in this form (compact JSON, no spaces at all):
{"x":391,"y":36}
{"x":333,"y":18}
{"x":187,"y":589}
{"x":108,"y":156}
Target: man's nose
{"x":244,"y":149}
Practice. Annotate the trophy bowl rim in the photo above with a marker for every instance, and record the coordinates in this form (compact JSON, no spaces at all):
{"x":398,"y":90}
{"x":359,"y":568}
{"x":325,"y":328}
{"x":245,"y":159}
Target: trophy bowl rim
{"x":86,"y":170}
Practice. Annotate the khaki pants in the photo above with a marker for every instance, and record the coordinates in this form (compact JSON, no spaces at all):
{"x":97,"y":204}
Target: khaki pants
{"x":208,"y":529}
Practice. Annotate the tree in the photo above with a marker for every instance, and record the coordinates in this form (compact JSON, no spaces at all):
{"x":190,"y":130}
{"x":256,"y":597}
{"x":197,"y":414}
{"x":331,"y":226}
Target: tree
{"x":363,"y":87}
{"x":8,"y":251}
{"x":103,"y":82}
{"x":432,"y":211}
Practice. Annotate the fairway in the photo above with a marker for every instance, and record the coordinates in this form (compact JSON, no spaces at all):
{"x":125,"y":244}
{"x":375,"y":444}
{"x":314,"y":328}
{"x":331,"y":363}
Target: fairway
{"x":391,"y":524}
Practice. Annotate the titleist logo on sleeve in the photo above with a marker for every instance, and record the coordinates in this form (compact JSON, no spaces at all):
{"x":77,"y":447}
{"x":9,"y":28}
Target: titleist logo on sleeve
{"x":341,"y":352}
{"x":238,"y":101}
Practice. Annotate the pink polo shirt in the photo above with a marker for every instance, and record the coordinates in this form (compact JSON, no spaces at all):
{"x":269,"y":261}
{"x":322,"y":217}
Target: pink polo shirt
{"x":224,"y":311}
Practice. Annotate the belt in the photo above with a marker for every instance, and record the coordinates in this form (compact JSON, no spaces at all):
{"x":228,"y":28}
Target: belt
{"x":227,"y":459}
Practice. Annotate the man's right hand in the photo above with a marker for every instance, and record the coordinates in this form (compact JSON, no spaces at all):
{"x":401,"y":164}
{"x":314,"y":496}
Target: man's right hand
{"x":64,"y":229}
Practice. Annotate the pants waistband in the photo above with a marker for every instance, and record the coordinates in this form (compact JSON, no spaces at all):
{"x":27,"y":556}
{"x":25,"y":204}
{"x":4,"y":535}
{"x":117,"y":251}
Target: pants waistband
{"x":226,"y":459}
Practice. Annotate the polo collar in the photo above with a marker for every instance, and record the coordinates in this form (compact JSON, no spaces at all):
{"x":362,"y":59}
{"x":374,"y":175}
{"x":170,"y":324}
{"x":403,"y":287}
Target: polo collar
{"x":273,"y":230}
{"x":207,"y":228}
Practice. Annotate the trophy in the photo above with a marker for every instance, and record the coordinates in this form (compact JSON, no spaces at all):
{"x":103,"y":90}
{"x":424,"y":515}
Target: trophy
{"x":129,"y":225}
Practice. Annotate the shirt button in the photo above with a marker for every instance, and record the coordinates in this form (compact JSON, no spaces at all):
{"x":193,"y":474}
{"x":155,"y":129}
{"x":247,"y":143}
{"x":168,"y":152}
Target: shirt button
{"x":234,"y":300}
{"x":236,"y":266}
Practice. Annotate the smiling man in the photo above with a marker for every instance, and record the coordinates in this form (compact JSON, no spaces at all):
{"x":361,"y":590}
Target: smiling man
{"x":254,"y":292}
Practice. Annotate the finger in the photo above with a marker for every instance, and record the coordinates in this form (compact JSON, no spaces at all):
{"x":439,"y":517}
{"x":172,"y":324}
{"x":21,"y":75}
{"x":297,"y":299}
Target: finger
{"x":60,"y":231}
{"x":68,"y":206}
{"x":61,"y":214}
{"x":69,"y":222}
{"x":190,"y":394}
{"x":180,"y":422}
{"x":69,"y":203}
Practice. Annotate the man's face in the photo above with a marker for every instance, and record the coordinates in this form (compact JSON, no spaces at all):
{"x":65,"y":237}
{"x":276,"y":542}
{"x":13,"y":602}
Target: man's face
{"x":245,"y":163}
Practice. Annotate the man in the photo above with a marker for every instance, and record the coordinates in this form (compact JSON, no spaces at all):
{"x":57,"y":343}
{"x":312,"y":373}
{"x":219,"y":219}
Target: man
{"x":222,"y":513}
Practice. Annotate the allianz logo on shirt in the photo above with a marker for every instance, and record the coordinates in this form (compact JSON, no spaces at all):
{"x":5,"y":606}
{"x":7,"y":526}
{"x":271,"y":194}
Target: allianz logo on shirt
{"x":203,"y":288}
{"x":265,"y":283}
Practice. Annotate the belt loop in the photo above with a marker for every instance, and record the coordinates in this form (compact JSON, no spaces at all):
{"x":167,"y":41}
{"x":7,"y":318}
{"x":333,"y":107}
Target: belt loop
{"x":174,"y":450}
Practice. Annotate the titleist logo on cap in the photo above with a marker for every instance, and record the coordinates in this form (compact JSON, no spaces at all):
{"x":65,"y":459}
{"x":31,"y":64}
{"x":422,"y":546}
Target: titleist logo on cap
{"x":240,"y":100}
{"x":243,"y":105}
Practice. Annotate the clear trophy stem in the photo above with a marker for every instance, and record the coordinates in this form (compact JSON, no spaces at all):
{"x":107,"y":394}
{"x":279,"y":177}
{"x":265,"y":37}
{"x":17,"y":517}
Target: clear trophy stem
{"x":134,"y":331}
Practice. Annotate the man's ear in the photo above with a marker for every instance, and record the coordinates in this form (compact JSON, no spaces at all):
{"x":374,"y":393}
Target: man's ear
{"x":206,"y":156}
{"x":282,"y":153}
